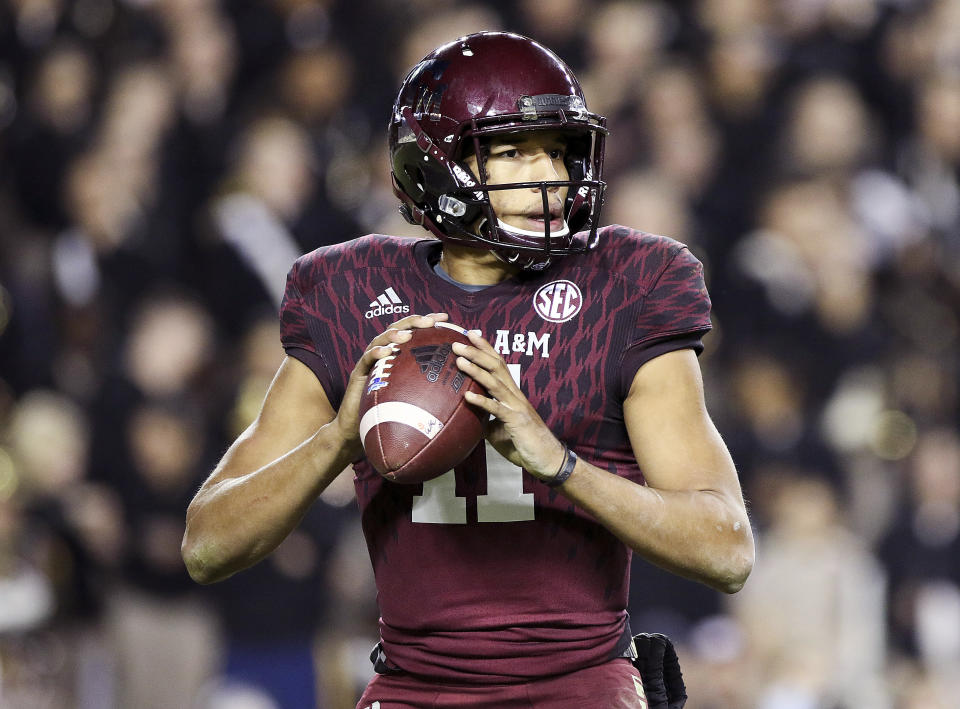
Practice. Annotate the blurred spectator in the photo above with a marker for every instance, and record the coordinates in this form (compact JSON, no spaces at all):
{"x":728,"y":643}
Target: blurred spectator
{"x":269,"y":214}
{"x":272,"y":615}
{"x":683,"y":142}
{"x":624,"y":41}
{"x":813,"y":615}
{"x":164,"y":634}
{"x":827,"y":130}
{"x":654,"y":200}
{"x":67,"y":532}
{"x":60,"y":104}
{"x":922,"y":551}
{"x":152,"y":445}
{"x":113,"y":197}
{"x":27,"y":603}
{"x":273,"y":181}
{"x":437,"y":24}
{"x":316,"y":84}
{"x":930,"y":158}
{"x":558,"y":24}
{"x":203,"y":54}
{"x":769,"y":402}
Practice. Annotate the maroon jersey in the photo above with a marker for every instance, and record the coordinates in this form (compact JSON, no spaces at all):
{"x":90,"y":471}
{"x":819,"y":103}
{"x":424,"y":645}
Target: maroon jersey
{"x":485,"y":574}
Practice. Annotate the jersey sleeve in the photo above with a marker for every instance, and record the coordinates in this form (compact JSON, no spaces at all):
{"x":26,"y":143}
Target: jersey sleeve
{"x":295,"y":331}
{"x":675,"y":315}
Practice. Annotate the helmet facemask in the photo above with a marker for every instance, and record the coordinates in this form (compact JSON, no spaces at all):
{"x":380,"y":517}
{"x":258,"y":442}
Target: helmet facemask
{"x":458,"y":99}
{"x":533,"y":249}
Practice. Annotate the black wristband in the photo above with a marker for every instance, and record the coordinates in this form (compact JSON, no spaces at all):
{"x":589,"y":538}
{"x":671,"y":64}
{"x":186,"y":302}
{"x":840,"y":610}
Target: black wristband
{"x":566,"y":469}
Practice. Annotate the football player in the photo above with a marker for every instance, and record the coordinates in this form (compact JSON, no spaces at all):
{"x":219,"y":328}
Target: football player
{"x":503,"y":582}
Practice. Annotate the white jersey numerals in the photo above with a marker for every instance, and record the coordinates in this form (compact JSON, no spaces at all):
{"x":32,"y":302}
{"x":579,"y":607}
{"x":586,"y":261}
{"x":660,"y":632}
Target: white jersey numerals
{"x":505,"y":500}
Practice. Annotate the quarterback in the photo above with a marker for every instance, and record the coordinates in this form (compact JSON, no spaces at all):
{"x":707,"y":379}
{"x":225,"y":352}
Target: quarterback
{"x":503,"y":582}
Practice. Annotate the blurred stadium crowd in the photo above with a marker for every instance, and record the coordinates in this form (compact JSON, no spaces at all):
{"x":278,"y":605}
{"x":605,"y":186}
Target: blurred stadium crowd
{"x":162,"y":163}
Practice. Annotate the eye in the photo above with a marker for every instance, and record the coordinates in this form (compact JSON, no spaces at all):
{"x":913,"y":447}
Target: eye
{"x":508,"y":153}
{"x":558,"y":153}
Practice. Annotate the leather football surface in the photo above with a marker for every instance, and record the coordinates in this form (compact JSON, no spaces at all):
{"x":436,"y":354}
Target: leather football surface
{"x":415,"y":423}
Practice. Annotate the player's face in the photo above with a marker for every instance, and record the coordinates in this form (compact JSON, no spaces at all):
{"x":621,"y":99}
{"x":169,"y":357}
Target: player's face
{"x":526,"y":157}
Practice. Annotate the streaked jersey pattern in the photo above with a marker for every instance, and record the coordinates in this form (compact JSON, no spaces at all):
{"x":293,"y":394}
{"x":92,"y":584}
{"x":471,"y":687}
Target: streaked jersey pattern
{"x":485,"y":574}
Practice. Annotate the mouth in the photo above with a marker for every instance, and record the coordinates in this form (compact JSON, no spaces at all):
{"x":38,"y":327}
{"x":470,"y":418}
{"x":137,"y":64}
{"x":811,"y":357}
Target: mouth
{"x":537,"y":220}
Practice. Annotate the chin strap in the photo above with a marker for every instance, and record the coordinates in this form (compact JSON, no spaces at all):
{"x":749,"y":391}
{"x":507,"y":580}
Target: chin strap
{"x":532,"y":263}
{"x":516,"y":257}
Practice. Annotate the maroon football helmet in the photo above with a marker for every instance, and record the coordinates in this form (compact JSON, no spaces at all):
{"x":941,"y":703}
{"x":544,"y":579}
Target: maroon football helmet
{"x":483,"y":85}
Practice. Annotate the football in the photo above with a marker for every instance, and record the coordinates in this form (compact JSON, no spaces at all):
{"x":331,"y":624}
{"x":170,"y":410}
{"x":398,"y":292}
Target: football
{"x":415,"y":423}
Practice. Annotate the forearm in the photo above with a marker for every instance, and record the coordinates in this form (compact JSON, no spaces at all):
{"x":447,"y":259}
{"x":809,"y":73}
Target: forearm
{"x":245,"y":510}
{"x":699,"y":534}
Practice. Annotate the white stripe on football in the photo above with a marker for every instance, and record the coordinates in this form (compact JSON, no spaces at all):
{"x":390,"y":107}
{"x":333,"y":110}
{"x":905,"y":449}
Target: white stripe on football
{"x":400,"y":412}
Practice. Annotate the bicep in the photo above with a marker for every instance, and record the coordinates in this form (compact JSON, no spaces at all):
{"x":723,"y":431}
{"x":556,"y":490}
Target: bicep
{"x":294,"y":408}
{"x":674,"y":440}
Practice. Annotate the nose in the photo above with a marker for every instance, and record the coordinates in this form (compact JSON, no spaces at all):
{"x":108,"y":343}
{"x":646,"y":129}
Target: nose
{"x":543,"y":169}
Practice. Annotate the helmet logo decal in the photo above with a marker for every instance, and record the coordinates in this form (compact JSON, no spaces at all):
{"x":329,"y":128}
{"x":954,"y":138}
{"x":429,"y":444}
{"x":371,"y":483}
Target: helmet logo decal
{"x":463,"y":176}
{"x":429,"y":100}
{"x":558,"y":301}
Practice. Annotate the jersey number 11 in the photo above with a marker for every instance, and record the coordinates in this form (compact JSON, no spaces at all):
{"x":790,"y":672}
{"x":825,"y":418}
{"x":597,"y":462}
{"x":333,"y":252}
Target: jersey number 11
{"x":505,"y":500}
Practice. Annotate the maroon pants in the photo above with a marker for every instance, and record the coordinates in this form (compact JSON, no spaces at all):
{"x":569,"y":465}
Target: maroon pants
{"x":613,"y":685}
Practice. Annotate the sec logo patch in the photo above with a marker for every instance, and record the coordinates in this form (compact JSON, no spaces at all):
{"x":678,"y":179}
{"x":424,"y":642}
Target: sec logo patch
{"x":558,"y":301}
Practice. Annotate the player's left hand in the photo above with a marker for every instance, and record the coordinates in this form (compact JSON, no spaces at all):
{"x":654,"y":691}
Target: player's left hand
{"x":516,"y":431}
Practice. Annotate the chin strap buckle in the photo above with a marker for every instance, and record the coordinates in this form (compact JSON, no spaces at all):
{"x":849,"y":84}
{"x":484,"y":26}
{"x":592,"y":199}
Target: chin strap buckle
{"x":411,"y":215}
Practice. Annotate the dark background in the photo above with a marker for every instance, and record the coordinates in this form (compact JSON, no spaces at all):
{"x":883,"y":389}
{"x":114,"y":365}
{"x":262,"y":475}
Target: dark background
{"x":162,"y":162}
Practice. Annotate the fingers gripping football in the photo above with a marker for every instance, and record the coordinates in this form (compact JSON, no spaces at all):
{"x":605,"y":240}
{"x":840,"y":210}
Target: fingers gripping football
{"x":518,"y":432}
{"x":381,"y":346}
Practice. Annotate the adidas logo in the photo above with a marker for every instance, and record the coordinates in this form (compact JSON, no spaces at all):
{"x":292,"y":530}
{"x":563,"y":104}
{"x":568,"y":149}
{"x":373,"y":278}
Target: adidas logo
{"x":431,"y":359}
{"x":387,"y":303}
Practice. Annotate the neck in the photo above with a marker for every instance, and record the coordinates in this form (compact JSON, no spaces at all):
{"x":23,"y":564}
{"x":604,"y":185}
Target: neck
{"x":473,"y":266}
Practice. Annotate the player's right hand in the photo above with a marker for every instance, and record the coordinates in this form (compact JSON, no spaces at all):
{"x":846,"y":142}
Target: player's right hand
{"x":348,"y":418}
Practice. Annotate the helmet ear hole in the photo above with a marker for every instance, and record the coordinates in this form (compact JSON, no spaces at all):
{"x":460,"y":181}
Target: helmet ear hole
{"x":417,"y":191}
